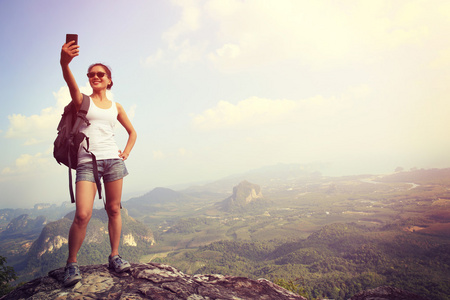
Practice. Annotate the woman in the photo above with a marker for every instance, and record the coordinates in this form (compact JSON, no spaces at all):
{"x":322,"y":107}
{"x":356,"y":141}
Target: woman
{"x":102,"y":116}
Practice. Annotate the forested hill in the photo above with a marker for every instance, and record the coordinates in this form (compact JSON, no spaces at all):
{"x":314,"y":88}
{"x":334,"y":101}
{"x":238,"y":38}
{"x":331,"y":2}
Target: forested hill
{"x":49,"y":251}
{"x":335,"y":262}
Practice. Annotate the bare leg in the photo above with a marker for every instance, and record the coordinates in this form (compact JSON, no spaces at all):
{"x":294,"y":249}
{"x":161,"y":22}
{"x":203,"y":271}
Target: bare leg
{"x":113,"y":191}
{"x":85,"y":193}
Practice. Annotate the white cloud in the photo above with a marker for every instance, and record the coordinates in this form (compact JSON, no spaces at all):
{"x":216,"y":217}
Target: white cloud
{"x":189,"y":22}
{"x":318,"y":33}
{"x":313,"y":32}
{"x":178,"y":39}
{"x":34,"y":129}
{"x":251,"y":111}
{"x":229,"y":51}
{"x":41,"y":128}
{"x":27,"y":163}
{"x":155,"y":58}
{"x":190,"y":53}
{"x":256,"y":112}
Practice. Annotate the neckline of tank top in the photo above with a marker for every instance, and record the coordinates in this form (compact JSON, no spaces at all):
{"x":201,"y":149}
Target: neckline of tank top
{"x":112,"y":102}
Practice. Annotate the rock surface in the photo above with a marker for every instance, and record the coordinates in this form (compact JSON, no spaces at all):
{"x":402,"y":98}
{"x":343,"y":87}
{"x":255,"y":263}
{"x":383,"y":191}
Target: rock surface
{"x":149,"y":281}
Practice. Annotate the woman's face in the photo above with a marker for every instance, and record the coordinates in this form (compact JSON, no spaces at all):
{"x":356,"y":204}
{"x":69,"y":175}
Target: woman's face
{"x":97,"y":82}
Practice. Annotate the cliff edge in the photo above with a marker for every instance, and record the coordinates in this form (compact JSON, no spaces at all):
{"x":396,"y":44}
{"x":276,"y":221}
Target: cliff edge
{"x":163,"y":282}
{"x":148,"y":281}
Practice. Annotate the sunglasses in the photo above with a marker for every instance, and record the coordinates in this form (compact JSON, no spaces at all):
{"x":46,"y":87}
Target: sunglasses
{"x":99,"y":74}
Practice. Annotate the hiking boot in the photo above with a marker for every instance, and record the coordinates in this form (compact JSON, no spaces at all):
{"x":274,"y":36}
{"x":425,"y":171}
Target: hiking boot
{"x":118,"y":264}
{"x":71,"y":274}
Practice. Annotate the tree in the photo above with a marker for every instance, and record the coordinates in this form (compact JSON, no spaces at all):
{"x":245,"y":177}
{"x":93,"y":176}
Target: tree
{"x":7,"y":274}
{"x":291,"y":286}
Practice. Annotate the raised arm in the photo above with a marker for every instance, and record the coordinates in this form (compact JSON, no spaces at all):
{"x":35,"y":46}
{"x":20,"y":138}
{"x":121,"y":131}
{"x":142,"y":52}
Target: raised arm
{"x":68,"y":52}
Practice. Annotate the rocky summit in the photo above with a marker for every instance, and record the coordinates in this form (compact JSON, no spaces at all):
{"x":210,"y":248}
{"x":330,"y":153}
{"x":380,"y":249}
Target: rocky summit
{"x":163,"y":282}
{"x":148,"y":281}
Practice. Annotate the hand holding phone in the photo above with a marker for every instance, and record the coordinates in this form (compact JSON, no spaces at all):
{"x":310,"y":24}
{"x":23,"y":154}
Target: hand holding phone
{"x":69,"y":52}
{"x":72,"y":37}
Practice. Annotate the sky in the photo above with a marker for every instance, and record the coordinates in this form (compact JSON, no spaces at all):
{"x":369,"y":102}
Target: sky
{"x":220,"y":87}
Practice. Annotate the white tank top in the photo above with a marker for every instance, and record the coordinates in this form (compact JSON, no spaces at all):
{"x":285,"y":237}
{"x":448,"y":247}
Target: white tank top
{"x":100,"y":133}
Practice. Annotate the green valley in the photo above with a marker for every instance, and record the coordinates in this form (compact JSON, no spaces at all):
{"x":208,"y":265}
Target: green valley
{"x":330,"y":237}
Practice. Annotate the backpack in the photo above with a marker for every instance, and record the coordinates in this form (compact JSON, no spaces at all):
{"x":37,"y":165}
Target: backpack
{"x":67,"y":143}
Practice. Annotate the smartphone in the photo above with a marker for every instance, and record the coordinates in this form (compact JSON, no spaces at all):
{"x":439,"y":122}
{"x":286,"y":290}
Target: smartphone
{"x":72,"y":37}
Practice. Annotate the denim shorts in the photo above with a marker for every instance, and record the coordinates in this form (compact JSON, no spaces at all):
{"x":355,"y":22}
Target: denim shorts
{"x":109,"y":169}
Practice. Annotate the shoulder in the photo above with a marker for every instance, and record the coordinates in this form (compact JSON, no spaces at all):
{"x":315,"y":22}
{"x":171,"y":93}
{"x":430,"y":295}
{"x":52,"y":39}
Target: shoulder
{"x":119,"y":107}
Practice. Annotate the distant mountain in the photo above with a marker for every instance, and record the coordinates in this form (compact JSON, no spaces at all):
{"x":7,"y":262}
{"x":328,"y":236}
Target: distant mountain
{"x":159,"y":199}
{"x":50,"y":211}
{"x":159,"y":195}
{"x":52,"y":238}
{"x":245,"y":195}
{"x":419,"y":176}
{"x":23,"y":225}
{"x":49,"y":250}
{"x":18,"y":236}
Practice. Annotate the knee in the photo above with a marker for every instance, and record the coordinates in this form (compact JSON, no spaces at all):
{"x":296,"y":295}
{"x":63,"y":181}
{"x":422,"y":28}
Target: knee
{"x":113,"y":211}
{"x":82,"y":218}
